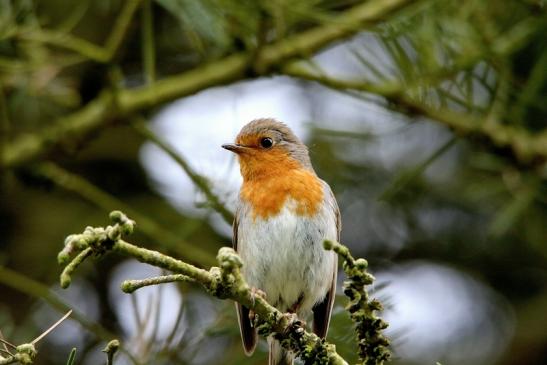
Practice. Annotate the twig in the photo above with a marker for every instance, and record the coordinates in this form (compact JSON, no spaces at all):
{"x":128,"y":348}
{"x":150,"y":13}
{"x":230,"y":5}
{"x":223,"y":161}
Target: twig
{"x":73,"y":265}
{"x":7,"y":343}
{"x":107,"y":202}
{"x":201,"y":182}
{"x":373,"y":345}
{"x":527,"y":148}
{"x":51,"y":328}
{"x":110,"y":350}
{"x":129,"y":286}
{"x":71,"y":357}
{"x":35,"y":289}
{"x":26,"y":353}
{"x":84,"y":47}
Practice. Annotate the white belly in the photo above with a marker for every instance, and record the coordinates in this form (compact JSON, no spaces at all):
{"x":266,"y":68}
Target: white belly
{"x":284,"y":256}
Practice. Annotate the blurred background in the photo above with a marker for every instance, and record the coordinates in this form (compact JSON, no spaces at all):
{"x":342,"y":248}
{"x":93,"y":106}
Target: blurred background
{"x":428,"y":118}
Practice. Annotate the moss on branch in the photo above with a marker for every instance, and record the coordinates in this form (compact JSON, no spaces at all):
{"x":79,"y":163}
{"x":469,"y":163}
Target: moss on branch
{"x":226,"y":282}
{"x":129,"y":286}
{"x":24,"y":355}
{"x":373,"y":345}
{"x":110,"y":350}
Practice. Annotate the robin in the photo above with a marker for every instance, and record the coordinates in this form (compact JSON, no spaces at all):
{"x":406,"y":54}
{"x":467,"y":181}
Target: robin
{"x":285,"y":212}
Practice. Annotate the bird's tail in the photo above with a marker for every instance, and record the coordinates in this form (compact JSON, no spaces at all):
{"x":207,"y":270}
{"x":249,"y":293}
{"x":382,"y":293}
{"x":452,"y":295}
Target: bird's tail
{"x":278,"y":355}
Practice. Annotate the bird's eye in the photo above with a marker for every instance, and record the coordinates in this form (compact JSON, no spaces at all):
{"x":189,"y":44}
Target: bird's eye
{"x":266,"y":142}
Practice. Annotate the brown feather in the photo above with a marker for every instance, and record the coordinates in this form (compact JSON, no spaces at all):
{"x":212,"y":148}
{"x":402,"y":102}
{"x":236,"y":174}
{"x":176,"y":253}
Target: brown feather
{"x":322,"y":310}
{"x":248,"y":332}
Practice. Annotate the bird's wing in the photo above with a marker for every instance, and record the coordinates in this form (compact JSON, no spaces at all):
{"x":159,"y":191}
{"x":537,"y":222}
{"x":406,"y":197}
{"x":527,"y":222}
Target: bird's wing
{"x":322,"y":310}
{"x":248,"y":333}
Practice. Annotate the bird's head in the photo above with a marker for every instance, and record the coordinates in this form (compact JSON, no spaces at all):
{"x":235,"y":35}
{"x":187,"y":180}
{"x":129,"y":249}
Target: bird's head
{"x":266,"y":147}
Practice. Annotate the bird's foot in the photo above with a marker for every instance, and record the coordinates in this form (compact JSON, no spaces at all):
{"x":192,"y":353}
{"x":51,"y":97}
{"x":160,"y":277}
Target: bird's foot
{"x":255,"y":292}
{"x":293,"y":320}
{"x":296,"y":306}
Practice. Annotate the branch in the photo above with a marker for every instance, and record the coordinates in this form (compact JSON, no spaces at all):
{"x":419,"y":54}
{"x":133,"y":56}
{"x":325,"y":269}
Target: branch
{"x":107,"y":202}
{"x":129,"y":286}
{"x":106,"y":107}
{"x":38,"y":290}
{"x":26,"y":353}
{"x":373,"y":345}
{"x":110,"y":350}
{"x":528,"y":148}
{"x":201,"y":182}
{"x":226,"y":282}
{"x":83,"y":47}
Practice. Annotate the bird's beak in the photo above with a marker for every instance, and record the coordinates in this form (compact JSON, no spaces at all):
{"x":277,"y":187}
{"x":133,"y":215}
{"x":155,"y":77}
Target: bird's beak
{"x":235,"y":148}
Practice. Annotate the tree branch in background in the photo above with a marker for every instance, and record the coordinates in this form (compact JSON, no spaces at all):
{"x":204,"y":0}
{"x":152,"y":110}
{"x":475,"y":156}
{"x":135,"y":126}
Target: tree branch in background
{"x":226,"y":282}
{"x":107,"y":202}
{"x":528,"y":148}
{"x":85,"y":48}
{"x":201,"y":182}
{"x":110,"y":105}
{"x":148,"y":44}
{"x":38,"y":290}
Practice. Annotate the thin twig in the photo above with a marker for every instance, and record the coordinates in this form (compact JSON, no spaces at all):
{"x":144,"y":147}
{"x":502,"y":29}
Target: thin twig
{"x":110,"y":350}
{"x":83,"y":47}
{"x":52,"y":327}
{"x":201,"y":182}
{"x":7,"y":343}
{"x":107,"y":202}
{"x":129,"y":286}
{"x":526,"y":147}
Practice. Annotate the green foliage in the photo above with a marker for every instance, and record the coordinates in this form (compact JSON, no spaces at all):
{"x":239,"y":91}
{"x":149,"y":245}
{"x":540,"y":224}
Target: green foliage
{"x":71,"y":357}
{"x":467,"y":77}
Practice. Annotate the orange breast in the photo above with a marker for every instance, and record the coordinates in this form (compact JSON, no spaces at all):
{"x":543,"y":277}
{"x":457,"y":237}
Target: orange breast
{"x":269,"y":189}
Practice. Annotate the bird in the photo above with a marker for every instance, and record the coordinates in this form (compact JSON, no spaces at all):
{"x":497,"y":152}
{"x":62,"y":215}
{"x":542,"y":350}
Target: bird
{"x":284,"y":213}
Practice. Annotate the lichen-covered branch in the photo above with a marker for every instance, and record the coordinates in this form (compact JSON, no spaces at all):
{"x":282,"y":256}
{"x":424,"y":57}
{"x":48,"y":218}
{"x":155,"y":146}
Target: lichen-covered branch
{"x":24,"y":355}
{"x":110,"y":350}
{"x":129,"y":286}
{"x":373,"y":345}
{"x":224,"y":282}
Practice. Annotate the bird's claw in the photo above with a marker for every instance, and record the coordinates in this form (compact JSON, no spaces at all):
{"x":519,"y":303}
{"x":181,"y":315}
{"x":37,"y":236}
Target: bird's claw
{"x":293,"y":320}
{"x":255,"y":292}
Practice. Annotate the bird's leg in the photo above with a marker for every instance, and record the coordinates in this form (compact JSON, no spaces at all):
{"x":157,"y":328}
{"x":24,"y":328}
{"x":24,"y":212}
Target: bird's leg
{"x":296,"y":306}
{"x":292,"y":312}
{"x":255,"y":292}
{"x":292,"y":320}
